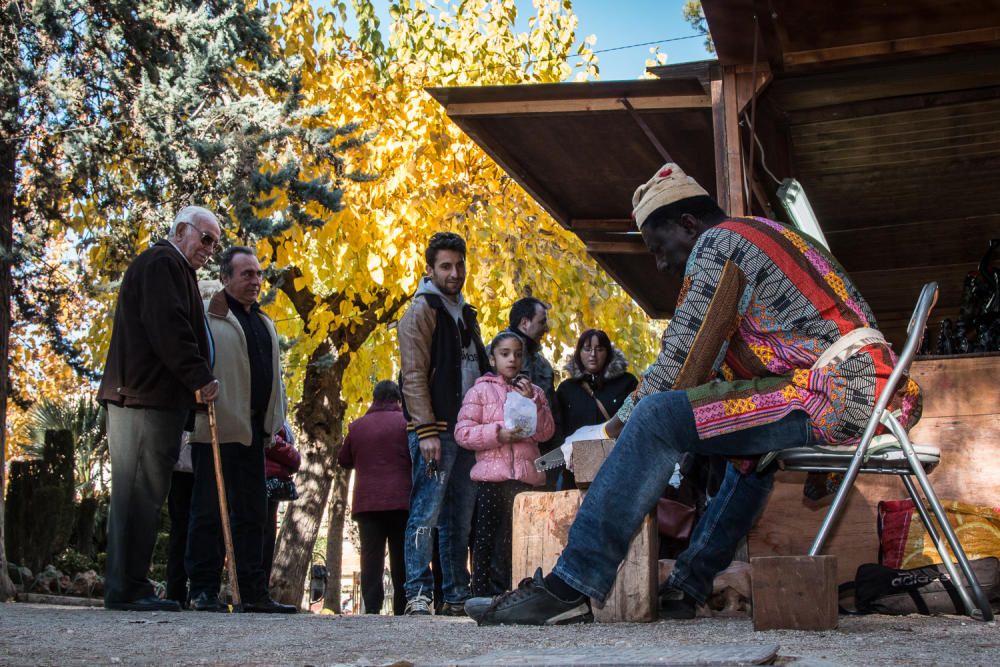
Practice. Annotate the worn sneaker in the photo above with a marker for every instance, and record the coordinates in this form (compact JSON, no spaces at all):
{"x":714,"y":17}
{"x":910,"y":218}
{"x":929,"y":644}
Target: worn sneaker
{"x":533,"y":604}
{"x":418,"y":606}
{"x":452,"y":609}
{"x":476,"y":607}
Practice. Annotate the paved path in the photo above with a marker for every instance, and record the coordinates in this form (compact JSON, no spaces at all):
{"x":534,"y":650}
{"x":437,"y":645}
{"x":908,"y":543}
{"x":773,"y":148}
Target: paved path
{"x":33,"y":634}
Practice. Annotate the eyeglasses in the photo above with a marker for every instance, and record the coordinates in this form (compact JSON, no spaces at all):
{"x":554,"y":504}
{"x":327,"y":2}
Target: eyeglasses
{"x":586,"y":349}
{"x":207,"y":239}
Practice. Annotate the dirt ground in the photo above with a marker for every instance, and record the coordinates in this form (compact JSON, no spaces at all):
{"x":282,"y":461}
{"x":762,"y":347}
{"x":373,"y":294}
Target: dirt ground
{"x":34,"y":634}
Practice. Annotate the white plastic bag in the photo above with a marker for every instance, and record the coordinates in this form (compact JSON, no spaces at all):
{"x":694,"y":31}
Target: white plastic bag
{"x":520,"y":415}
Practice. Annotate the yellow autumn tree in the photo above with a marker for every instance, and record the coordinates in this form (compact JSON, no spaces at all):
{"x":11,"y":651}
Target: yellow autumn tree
{"x":43,"y":365}
{"x":341,"y":285}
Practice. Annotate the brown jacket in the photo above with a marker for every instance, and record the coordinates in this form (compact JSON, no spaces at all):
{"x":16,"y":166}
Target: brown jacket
{"x":430,"y":360}
{"x":159,"y":348}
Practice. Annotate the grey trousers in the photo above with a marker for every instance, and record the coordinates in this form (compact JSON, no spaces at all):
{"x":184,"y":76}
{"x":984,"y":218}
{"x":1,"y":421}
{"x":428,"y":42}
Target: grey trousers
{"x":144,"y":444}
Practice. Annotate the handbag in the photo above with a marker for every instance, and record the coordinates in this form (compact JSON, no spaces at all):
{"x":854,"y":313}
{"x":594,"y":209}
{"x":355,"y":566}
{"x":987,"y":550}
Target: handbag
{"x":924,"y":590}
{"x":280,"y":489}
{"x":674,"y":519}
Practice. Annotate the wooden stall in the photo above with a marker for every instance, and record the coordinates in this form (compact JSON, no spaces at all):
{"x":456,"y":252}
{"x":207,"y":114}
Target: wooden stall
{"x":886,"y":111}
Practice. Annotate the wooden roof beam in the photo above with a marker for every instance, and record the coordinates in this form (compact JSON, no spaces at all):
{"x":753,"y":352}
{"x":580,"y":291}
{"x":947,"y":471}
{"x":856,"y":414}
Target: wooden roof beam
{"x":520,"y":107}
{"x":772,"y":34}
{"x":884,"y":80}
{"x":602,"y":225}
{"x":892,"y":46}
{"x":629,"y":247}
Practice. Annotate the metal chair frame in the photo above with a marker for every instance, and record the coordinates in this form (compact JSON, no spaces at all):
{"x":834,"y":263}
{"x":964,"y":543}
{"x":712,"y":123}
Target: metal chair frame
{"x":913,"y":467}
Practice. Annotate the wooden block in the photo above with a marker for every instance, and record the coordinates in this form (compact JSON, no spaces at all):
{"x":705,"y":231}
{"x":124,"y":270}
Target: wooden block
{"x":588,"y":457}
{"x":794,"y":592}
{"x":633,"y":597}
{"x":540,"y":532}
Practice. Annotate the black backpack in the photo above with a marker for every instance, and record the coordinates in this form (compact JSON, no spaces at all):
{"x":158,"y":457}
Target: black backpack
{"x":877,"y":589}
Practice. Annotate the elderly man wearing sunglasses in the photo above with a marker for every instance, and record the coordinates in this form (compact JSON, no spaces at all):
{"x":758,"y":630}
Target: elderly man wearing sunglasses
{"x":160,"y":355}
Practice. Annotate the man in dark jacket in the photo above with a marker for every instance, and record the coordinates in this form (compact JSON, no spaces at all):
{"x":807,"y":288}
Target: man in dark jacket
{"x":441,"y":354}
{"x":376,"y":449}
{"x":529,"y":317}
{"x":160,"y":354}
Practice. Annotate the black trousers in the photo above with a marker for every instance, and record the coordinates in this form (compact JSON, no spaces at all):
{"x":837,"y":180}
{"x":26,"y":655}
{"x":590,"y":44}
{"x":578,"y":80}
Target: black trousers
{"x":144,"y":444}
{"x":179,"y":506}
{"x":491,"y":536}
{"x":378,"y":529}
{"x":243,"y":471}
{"x":270,"y":537}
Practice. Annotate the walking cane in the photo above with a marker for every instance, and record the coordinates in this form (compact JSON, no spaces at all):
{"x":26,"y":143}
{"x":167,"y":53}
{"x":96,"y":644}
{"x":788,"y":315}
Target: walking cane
{"x":227,"y":534}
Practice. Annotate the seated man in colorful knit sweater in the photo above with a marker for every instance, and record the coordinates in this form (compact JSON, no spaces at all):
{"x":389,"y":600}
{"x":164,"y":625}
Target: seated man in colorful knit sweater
{"x":740,"y":375}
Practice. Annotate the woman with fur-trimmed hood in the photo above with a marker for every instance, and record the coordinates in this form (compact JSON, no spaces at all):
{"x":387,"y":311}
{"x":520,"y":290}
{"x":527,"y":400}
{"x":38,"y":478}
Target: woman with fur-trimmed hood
{"x":598,"y":383}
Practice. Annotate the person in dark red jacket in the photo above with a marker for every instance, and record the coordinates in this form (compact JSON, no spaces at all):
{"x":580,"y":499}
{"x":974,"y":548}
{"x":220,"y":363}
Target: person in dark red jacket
{"x":281,"y":461}
{"x":376,"y":447}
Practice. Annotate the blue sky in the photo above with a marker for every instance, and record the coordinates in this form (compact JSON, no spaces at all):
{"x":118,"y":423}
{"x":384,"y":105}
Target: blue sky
{"x":618,"y":23}
{"x":633,"y":22}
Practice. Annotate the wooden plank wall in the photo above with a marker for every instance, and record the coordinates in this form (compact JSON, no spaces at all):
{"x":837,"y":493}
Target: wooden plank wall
{"x":961,"y":416}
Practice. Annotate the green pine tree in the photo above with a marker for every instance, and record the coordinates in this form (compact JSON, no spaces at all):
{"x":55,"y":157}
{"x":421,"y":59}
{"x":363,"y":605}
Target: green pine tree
{"x":114,"y":115}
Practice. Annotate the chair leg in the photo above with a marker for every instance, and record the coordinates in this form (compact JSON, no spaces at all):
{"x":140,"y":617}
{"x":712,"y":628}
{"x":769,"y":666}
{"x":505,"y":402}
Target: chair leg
{"x":982,"y":602}
{"x":839,"y":500}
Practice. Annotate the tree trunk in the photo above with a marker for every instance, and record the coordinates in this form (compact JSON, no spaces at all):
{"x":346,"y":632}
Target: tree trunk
{"x":8,"y":157}
{"x":320,"y":416}
{"x":335,"y":539}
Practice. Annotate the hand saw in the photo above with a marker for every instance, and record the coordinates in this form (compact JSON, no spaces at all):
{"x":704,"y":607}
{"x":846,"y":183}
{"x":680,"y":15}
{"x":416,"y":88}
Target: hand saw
{"x":553,"y":459}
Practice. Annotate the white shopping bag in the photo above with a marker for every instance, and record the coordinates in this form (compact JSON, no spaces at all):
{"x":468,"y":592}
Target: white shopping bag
{"x":520,"y":415}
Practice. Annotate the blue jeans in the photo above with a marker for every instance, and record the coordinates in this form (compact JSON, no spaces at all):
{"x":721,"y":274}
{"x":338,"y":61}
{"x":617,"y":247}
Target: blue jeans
{"x":444,"y":501}
{"x":639,"y":467}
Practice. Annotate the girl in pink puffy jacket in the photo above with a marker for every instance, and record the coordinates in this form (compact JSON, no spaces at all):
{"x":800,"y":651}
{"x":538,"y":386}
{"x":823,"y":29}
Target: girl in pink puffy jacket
{"x":504,"y":459}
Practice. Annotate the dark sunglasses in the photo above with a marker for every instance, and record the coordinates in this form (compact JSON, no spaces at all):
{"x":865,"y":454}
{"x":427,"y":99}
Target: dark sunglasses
{"x":207,"y":239}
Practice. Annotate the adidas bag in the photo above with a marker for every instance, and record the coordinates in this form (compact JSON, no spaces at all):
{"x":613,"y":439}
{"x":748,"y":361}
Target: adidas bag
{"x":877,"y":589}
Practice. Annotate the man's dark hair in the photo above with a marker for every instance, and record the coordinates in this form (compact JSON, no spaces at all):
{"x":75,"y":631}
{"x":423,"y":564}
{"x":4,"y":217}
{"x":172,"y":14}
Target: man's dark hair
{"x":702,"y":207}
{"x":443,"y":241}
{"x":226,"y":259}
{"x":387,"y":390}
{"x":524,"y":308}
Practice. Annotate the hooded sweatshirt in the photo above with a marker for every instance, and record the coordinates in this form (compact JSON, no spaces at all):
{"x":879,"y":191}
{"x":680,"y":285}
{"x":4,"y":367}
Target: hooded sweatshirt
{"x":470,"y":360}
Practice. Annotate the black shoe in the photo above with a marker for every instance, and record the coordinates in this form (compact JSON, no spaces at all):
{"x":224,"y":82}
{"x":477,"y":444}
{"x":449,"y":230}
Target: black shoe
{"x":682,"y":608}
{"x":151,"y":603}
{"x":269,"y":606}
{"x":207,"y":602}
{"x":533,"y":604}
{"x":476,"y":607}
{"x":452,"y":609}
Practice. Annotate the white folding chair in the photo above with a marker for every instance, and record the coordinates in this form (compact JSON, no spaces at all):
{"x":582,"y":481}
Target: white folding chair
{"x":894,"y":455}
